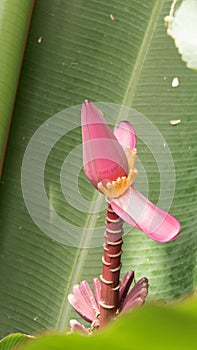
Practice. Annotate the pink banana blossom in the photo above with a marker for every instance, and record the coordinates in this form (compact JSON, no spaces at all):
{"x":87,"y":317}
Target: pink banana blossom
{"x":109,"y":163}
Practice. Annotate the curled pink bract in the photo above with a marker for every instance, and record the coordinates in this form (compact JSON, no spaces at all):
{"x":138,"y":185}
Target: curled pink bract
{"x":138,"y":211}
{"x":87,"y":303}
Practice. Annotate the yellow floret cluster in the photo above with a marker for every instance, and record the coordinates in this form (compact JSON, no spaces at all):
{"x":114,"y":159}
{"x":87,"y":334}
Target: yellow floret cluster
{"x":115,"y":189}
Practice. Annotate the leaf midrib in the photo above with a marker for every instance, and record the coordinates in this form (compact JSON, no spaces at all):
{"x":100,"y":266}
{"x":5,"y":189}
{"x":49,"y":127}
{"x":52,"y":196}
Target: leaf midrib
{"x":139,"y":62}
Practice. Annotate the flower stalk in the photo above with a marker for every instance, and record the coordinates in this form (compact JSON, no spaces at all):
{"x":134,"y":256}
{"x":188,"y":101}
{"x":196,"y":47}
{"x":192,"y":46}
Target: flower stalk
{"x":110,"y":278}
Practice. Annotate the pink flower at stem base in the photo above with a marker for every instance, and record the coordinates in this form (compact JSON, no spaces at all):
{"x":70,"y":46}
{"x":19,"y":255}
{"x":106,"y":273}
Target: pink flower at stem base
{"x":88,"y":303}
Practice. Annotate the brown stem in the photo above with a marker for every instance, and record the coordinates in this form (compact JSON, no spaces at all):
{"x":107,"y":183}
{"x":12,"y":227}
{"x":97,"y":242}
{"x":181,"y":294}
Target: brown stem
{"x":110,"y":278}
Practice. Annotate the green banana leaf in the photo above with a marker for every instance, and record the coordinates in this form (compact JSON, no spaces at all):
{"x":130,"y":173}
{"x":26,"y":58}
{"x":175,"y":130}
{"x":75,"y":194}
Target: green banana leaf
{"x":178,"y":323}
{"x":118,"y":53}
{"x":14,"y":19}
{"x":14,"y":340}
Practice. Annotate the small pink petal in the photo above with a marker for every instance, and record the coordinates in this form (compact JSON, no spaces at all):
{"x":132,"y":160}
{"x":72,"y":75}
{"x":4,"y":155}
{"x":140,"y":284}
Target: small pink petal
{"x":97,"y":290}
{"x":125,"y":134}
{"x":88,"y":296}
{"x":75,"y":326}
{"x":133,"y":304}
{"x":82,"y":300}
{"x":103,"y":156}
{"x":81,"y":309}
{"x":138,"y":211}
{"x":137,"y":294}
{"x":139,"y":289}
{"x":125,"y":285}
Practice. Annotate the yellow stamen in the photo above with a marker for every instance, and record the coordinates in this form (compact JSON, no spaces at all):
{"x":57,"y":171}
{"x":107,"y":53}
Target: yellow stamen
{"x":116,"y":188}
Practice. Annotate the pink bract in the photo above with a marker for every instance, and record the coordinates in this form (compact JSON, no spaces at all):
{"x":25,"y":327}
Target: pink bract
{"x":104,"y":159}
{"x":138,"y":211}
{"x":125,"y":134}
{"x":103,"y":156}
